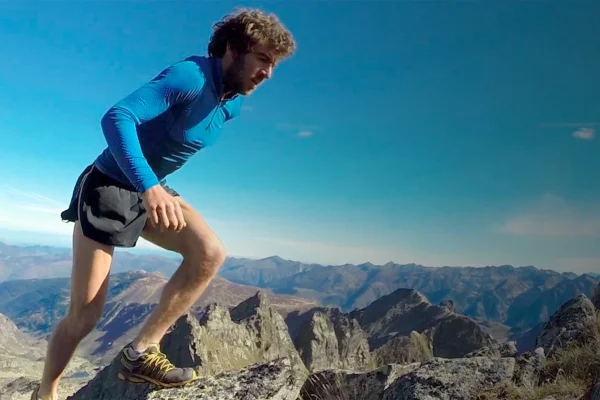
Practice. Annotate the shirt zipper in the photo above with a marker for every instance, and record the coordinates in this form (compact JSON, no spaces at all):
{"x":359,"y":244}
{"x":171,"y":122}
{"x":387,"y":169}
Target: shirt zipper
{"x":213,"y":114}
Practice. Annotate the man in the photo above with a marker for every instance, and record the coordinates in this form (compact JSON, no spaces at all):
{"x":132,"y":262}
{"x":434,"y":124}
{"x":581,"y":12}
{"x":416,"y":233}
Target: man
{"x":123,"y":195}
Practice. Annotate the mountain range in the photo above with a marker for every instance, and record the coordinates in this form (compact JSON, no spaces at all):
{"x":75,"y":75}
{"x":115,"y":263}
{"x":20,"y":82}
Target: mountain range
{"x":514,"y":298}
{"x":509,"y":302}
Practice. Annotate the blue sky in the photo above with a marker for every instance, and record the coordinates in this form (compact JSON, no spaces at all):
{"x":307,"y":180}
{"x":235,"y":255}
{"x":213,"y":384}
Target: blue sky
{"x":434,"y":132}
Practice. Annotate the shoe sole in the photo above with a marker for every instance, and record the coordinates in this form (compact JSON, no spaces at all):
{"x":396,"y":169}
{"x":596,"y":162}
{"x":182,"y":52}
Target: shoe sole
{"x":135,"y":378}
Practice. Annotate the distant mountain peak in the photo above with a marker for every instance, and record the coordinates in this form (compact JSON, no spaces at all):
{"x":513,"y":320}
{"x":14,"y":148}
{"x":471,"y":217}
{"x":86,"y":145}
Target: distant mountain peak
{"x":253,"y":305}
{"x":401,"y":296}
{"x":274,"y":258}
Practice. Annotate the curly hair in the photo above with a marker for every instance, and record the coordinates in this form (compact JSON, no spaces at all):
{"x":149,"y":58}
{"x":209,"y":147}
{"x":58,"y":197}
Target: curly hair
{"x":245,"y":28}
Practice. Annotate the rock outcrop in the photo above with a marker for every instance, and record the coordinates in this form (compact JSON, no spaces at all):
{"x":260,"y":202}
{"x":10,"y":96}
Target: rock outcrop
{"x":335,"y":341}
{"x":449,"y":305}
{"x":529,"y":367}
{"x":404,"y":311}
{"x":405,"y":349}
{"x":455,"y":379}
{"x":223,"y":340}
{"x":497,"y":350}
{"x":274,"y":380}
{"x":575,"y":322}
{"x":246,"y":350}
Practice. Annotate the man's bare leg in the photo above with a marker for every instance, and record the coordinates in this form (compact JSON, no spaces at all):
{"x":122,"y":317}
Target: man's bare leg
{"x":89,"y":284}
{"x":203,"y":254}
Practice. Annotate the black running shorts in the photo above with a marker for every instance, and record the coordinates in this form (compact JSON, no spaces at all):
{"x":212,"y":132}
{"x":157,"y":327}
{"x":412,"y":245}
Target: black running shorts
{"x":109,"y":212}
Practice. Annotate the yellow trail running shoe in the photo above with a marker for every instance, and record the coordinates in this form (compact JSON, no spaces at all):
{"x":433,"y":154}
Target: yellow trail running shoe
{"x":152,"y":366}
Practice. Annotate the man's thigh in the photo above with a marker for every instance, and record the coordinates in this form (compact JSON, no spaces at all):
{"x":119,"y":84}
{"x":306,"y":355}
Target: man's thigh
{"x":197,"y":236}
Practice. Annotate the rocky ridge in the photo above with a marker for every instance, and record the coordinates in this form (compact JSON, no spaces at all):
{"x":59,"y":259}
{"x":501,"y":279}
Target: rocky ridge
{"x":248,"y":352}
{"x":404,"y":311}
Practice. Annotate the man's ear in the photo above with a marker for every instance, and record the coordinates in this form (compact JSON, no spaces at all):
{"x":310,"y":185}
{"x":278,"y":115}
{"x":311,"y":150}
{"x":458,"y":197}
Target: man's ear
{"x":232,"y":52}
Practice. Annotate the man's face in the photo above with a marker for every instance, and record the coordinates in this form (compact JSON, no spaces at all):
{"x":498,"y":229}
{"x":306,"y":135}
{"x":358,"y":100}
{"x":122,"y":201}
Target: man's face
{"x":249,"y":70}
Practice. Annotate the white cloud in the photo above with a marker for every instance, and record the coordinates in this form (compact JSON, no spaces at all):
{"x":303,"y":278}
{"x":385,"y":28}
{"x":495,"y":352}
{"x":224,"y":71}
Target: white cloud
{"x":585,"y":130}
{"x":553,"y":216}
{"x":300,"y":130}
{"x":584,"y":133}
{"x":305,"y":134}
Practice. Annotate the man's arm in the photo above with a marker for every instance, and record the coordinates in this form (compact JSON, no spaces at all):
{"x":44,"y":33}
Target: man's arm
{"x":177,"y":84}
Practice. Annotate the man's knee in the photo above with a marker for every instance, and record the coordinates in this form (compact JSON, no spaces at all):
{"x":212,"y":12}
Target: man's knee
{"x":210,"y":253}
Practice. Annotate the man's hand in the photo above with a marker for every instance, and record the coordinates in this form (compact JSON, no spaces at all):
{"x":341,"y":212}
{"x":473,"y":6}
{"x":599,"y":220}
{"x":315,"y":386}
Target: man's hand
{"x":163,"y":209}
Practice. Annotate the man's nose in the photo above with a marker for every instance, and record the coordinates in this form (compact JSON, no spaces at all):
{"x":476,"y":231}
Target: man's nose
{"x":267,"y":72}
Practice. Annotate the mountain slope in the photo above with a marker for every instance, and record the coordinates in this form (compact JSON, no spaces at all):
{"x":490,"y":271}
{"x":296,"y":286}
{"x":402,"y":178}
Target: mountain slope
{"x":21,"y":361}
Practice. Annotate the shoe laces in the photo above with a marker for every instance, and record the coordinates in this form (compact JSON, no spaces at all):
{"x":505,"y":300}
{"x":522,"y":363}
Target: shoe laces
{"x":158,"y":362}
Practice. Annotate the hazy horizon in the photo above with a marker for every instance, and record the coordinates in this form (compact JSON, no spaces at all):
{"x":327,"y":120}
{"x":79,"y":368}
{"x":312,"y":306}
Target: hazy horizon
{"x":147,"y":250}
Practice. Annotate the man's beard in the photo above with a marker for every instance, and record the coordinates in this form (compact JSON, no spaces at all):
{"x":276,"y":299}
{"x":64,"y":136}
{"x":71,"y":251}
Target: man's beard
{"x":233,"y":80}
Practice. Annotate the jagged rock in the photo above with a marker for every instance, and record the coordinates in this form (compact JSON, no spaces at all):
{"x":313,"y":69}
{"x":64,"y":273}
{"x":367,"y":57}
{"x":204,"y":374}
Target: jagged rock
{"x":405,"y":310}
{"x":573,"y":323}
{"x":275,"y":380}
{"x":506,"y":349}
{"x":224,"y":340}
{"x":456,"y":336}
{"x":449,"y":305}
{"x":405,"y":349}
{"x":352,"y":385}
{"x":447,"y":379}
{"x":317,"y":344}
{"x":333,"y":342}
{"x":221,"y":343}
{"x":529,"y":367}
{"x":353,"y":344}
{"x":454,"y":379}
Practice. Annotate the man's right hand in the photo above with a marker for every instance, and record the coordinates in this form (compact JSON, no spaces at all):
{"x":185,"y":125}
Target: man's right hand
{"x":163,"y":209}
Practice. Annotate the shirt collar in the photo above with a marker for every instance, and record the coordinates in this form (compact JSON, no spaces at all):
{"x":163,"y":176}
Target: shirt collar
{"x":217,"y":75}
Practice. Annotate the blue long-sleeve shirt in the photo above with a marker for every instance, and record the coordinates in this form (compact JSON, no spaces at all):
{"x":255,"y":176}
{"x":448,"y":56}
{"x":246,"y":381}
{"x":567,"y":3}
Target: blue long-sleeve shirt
{"x":153,"y":131}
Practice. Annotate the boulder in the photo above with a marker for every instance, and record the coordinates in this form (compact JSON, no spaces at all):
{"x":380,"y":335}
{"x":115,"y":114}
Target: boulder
{"x":444,"y":379}
{"x":529,"y":367}
{"x":575,"y":322}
